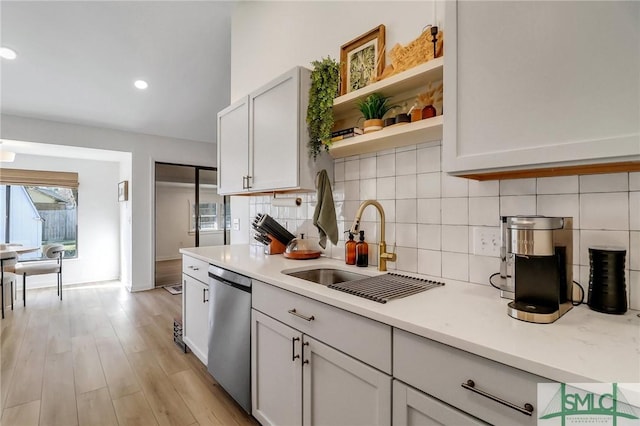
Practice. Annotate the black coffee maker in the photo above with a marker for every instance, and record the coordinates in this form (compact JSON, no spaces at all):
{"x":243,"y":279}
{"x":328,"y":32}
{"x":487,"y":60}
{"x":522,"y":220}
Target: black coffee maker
{"x":538,"y":266}
{"x":607,"y":286}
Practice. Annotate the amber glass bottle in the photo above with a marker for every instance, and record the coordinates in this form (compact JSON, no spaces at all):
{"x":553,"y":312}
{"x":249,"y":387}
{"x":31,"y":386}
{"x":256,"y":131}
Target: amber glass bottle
{"x":350,"y":251}
{"x":362,"y":252}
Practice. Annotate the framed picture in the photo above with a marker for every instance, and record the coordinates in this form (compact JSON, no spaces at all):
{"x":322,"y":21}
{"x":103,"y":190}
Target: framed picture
{"x":123,"y":190}
{"x":362,"y":60}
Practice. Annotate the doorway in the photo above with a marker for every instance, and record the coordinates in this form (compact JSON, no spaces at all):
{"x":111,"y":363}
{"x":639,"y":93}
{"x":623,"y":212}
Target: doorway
{"x":188,"y":213}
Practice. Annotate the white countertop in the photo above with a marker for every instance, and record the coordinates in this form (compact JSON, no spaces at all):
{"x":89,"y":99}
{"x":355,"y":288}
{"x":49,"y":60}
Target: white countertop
{"x":581,"y":346}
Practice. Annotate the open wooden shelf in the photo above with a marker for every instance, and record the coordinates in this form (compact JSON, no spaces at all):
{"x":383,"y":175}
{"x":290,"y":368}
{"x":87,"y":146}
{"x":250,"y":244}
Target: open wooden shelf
{"x":427,"y":130}
{"x":410,"y":79}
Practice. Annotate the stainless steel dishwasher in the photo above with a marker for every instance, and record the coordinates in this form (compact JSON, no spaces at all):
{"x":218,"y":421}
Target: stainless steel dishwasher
{"x":229,"y":360}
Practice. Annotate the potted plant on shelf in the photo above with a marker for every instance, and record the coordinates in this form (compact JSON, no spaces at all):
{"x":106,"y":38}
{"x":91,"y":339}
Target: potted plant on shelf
{"x":373,"y":109}
{"x":325,"y":77}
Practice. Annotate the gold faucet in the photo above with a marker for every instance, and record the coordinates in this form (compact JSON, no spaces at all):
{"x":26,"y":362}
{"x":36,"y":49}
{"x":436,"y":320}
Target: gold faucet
{"x":383,"y":256}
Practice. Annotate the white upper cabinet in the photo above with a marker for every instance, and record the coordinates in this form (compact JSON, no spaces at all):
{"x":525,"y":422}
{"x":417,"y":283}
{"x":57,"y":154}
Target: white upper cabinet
{"x":262,"y":139}
{"x":534,"y":84}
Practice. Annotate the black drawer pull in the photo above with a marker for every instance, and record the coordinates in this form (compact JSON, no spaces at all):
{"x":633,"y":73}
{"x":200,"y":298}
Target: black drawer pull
{"x":471,"y":385}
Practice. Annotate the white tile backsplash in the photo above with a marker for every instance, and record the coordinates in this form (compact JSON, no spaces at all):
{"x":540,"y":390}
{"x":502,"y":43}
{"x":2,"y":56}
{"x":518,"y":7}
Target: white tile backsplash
{"x":558,"y":185}
{"x":604,"y":211}
{"x":518,"y":187}
{"x":428,"y":159}
{"x":431,"y":215}
{"x":455,"y":211}
{"x":613,"y":182}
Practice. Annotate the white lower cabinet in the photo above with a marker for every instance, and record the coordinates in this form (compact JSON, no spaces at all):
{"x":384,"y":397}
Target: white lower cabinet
{"x":196,"y":316}
{"x":414,"y":408}
{"x":299,"y":380}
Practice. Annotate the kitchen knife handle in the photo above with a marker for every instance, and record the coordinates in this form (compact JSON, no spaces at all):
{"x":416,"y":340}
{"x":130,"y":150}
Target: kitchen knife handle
{"x":294,"y":312}
{"x":526,"y":410}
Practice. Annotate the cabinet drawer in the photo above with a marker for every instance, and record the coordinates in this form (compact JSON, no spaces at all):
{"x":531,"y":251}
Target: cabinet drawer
{"x":195,"y":268}
{"x":440,"y":370}
{"x":360,"y":337}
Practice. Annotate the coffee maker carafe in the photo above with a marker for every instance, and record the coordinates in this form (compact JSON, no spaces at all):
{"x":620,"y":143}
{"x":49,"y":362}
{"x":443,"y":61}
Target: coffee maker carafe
{"x":536,"y":257}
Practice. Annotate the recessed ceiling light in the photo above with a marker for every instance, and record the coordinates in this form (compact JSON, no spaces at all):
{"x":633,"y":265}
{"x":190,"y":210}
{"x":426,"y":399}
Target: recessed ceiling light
{"x":141,"y":84}
{"x":7,"y":53}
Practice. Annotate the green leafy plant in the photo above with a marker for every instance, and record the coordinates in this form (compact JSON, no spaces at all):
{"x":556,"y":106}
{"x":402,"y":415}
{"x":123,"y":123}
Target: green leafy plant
{"x":325,"y":77}
{"x":374,"y":106}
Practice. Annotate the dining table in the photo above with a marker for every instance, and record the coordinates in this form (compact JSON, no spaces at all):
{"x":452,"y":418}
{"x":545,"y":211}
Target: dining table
{"x":18,"y":249}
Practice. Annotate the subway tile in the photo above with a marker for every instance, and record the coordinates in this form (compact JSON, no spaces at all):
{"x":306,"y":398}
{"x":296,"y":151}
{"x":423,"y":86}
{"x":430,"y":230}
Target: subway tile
{"x":634,"y":290}
{"x":338,"y":191}
{"x":406,"y":235}
{"x":338,"y":171}
{"x":484,"y":211}
{"x":566,"y":205}
{"x":455,"y":211}
{"x":301,"y":211}
{"x":368,"y":189}
{"x":370,"y":214}
{"x":429,"y":210}
{"x":370,"y":229}
{"x":453,"y":186}
{"x":368,"y":168}
{"x":618,"y":239}
{"x":488,"y":188}
{"x":634,"y":211}
{"x":428,"y":185}
{"x":350,"y":209}
{"x":406,"y":148}
{"x":633,"y":257}
{"x":352,"y":190}
{"x":352,"y":170}
{"x":634,"y":181}
{"x":428,"y":159}
{"x":613,"y":182}
{"x":604,"y":211}
{"x":367,"y":155}
{"x":406,"y":211}
{"x":406,"y":163}
{"x":518,"y":205}
{"x":337,"y":251}
{"x":482,"y":267}
{"x":390,"y":236}
{"x":406,"y":187}
{"x":386,"y":188}
{"x":518,"y":187}
{"x":430,"y":262}
{"x":386,"y":165}
{"x":558,"y":185}
{"x":407,"y":259}
{"x":429,"y":237}
{"x":455,"y":238}
{"x":455,"y":266}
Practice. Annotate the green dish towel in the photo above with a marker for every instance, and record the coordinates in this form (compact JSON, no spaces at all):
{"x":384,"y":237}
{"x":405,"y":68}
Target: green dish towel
{"x":324,"y":217}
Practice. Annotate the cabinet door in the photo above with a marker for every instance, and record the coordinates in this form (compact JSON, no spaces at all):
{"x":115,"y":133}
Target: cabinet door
{"x":339,"y":390}
{"x":233,"y":147}
{"x":414,"y":408}
{"x":538,"y":88}
{"x":274,"y":133}
{"x":276,"y":379}
{"x":195,"y":316}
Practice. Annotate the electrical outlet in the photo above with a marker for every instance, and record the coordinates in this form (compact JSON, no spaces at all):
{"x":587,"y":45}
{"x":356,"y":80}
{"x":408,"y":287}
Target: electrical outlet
{"x":486,"y":241}
{"x":236,"y":224}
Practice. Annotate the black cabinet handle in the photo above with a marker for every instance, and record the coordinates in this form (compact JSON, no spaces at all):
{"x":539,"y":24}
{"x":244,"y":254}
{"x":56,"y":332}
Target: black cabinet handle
{"x":204,"y":295}
{"x":293,"y":348}
{"x":471,"y":385}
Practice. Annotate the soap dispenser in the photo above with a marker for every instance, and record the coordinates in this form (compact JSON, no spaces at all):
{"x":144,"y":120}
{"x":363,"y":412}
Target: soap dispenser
{"x":350,"y":251}
{"x":362,"y":252}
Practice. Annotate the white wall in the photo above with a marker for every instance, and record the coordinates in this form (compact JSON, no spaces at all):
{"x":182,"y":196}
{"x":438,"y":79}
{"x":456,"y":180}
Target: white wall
{"x":136,"y":215}
{"x":98,"y":218}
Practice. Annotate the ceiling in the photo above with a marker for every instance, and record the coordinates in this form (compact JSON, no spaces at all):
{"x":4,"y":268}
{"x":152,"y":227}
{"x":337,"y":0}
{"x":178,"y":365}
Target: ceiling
{"x":77,"y":62}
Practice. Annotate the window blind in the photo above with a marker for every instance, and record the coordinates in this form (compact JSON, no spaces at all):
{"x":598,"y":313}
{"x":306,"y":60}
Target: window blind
{"x":38,"y":178}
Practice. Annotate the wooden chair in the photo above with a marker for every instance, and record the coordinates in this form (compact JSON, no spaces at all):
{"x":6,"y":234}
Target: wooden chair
{"x":7,"y":259}
{"x":52,"y":251}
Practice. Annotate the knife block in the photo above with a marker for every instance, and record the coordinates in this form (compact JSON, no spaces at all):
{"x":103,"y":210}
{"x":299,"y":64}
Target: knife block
{"x":276,"y":247}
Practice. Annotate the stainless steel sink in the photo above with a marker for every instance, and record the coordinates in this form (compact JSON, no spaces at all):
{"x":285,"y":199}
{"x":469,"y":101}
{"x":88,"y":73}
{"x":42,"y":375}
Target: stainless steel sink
{"x":326,"y":276}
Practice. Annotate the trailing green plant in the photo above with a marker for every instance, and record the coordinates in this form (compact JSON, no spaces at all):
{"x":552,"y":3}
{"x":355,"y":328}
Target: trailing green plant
{"x":325,"y":77}
{"x":374,"y":106}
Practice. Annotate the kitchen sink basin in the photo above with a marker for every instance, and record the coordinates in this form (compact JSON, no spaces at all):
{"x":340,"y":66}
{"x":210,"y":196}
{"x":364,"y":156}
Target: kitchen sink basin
{"x":326,"y":276}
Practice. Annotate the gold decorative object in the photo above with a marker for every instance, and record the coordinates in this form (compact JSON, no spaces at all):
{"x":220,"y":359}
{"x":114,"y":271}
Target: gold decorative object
{"x":432,"y":96}
{"x":415,"y":53}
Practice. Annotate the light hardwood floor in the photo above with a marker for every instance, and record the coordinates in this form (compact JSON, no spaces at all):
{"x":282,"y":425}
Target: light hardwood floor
{"x":104,"y":356}
{"x":168,"y":272}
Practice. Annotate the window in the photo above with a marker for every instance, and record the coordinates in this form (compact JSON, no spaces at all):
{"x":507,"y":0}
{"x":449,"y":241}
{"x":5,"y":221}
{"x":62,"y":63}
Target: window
{"x":39,"y":215}
{"x":208,"y":217}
